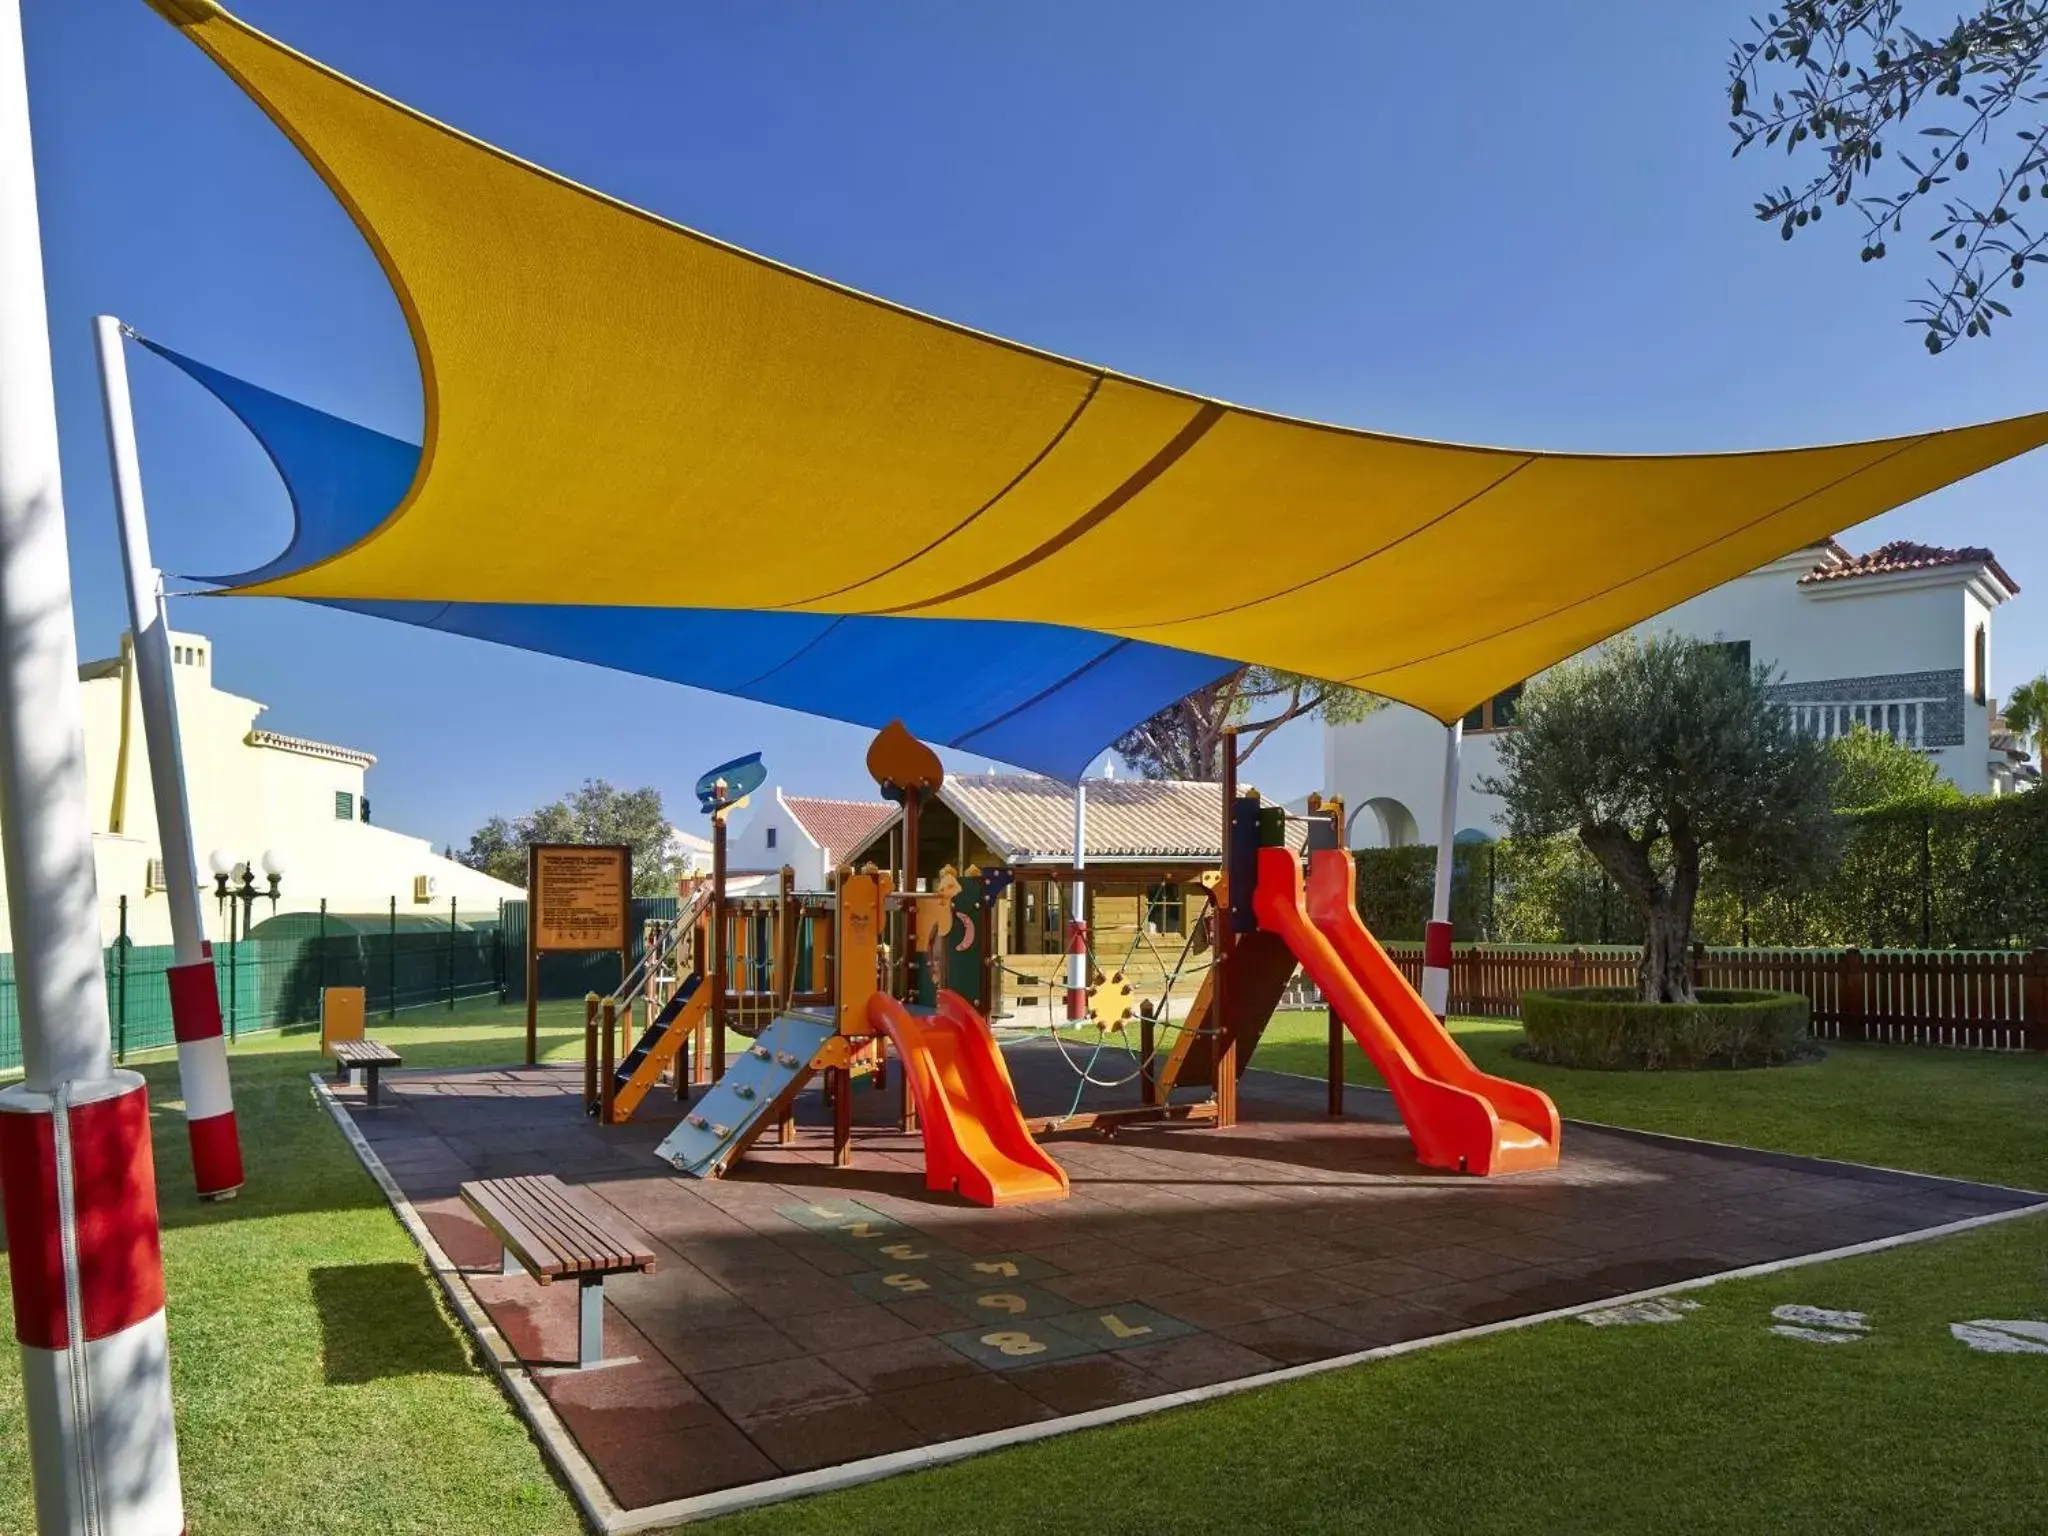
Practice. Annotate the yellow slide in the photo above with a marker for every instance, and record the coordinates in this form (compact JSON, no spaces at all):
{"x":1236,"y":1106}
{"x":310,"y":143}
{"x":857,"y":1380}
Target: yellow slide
{"x":975,"y":1140}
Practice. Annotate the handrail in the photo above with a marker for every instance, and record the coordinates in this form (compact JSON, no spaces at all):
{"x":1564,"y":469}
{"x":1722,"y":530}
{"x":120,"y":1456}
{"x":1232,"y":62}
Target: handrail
{"x":684,"y":921}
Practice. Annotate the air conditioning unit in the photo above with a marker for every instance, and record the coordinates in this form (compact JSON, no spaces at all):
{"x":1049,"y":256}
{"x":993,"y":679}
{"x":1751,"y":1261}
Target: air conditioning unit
{"x":425,"y":887}
{"x":153,"y":878}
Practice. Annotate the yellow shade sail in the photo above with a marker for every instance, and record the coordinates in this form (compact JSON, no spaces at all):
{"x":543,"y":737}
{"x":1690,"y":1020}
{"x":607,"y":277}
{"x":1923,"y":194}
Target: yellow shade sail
{"x":601,"y":383}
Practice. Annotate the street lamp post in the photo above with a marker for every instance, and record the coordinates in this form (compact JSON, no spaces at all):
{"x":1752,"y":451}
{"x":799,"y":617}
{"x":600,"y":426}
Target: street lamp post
{"x":235,"y":891}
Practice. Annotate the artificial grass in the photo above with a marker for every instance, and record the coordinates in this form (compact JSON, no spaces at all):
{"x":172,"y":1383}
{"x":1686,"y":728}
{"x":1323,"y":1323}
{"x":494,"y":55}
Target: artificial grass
{"x":323,"y":1388}
{"x":320,"y":1383}
{"x":1966,"y":1114}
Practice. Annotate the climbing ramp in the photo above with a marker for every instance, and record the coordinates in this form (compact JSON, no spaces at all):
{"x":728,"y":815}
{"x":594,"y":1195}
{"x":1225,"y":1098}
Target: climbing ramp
{"x":756,"y":1088}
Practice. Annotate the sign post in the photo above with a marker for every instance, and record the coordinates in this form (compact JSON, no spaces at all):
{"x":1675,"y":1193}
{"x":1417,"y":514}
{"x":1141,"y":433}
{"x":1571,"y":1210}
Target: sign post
{"x":579,"y":900}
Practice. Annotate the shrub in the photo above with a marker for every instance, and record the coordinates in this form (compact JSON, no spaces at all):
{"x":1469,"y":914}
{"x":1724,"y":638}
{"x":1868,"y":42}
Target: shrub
{"x":1613,"y":1027}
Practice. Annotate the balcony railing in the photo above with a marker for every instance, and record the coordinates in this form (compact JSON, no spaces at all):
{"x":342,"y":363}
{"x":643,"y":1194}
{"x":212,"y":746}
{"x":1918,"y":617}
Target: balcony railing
{"x":1903,"y":720}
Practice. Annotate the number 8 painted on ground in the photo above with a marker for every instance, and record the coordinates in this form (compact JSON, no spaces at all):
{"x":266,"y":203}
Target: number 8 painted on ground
{"x":1013,"y":1343}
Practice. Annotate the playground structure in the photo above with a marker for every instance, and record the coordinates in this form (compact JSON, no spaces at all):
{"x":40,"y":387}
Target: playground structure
{"x":551,"y":382}
{"x":835,"y":987}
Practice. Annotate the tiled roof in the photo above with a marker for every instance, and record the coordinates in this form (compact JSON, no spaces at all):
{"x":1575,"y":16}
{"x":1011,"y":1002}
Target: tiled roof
{"x":1901,"y":555}
{"x":839,"y":825}
{"x":1030,"y":820}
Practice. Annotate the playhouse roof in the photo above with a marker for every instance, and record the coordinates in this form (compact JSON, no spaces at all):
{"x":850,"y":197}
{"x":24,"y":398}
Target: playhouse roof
{"x":1026,"y":819}
{"x":601,"y":383}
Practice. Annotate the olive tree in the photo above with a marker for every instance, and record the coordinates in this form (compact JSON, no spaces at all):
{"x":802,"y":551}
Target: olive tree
{"x":1834,"y":82}
{"x":1660,"y":755}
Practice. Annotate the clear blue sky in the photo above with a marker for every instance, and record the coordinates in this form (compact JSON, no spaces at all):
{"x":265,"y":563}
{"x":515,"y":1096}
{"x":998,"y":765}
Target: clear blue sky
{"x":1523,"y":229}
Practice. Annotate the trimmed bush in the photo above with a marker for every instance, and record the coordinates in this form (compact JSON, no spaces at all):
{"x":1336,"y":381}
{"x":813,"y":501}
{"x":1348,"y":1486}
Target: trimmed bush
{"x":1613,"y":1027}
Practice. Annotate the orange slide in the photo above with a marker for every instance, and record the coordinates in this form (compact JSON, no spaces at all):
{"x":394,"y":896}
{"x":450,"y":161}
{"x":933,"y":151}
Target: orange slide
{"x":1459,"y":1117}
{"x":975,"y":1141}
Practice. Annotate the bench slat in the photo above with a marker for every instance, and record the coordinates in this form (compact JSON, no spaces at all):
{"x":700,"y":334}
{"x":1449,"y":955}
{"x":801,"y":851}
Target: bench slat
{"x":549,"y":1246}
{"x":591,"y":1242}
{"x":512,"y":1232}
{"x":542,"y":1218}
{"x":364,"y":1052}
{"x":597,"y":1238}
{"x":547,"y":1227}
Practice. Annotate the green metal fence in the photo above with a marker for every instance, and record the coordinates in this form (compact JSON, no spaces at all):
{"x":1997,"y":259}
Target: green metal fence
{"x":273,"y":978}
{"x":575,"y":975}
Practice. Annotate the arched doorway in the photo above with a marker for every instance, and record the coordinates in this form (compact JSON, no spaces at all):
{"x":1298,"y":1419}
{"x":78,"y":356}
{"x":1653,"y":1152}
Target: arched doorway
{"x":1387,"y":824}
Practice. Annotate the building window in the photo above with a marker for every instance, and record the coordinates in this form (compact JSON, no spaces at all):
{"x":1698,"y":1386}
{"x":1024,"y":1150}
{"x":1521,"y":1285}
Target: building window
{"x":1166,"y":909}
{"x":344,"y":805}
{"x":1980,"y":664}
{"x":363,"y":810}
{"x":1737,"y":651}
{"x":1497,"y":713}
{"x":771,"y":837}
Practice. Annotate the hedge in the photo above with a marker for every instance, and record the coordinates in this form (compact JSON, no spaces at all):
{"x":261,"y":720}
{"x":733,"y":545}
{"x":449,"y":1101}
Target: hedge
{"x":1612,"y":1027}
{"x":1972,"y":874}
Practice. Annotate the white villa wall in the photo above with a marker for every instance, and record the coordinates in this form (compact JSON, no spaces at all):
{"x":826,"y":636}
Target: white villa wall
{"x":769,"y":837}
{"x":247,"y":798}
{"x":1869,"y":637}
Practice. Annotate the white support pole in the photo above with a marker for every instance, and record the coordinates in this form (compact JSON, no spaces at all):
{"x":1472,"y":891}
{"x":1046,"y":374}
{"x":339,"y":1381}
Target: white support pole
{"x":76,"y":1178}
{"x":195,"y":997}
{"x":1436,"y":937}
{"x":1077,"y":912}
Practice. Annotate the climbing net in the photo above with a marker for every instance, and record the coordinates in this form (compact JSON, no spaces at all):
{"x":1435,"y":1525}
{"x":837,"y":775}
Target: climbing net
{"x":1114,"y":1004}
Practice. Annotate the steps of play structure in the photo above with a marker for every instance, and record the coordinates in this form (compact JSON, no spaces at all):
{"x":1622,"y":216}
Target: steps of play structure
{"x":757,"y":1086}
{"x":657,"y":1047}
{"x":1460,"y":1118}
{"x":1258,"y":970}
{"x":975,"y":1140}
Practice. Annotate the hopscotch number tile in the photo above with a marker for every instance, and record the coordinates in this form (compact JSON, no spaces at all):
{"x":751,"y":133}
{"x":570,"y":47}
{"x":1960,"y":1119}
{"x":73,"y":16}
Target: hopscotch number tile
{"x":2003,"y":1335}
{"x":998,"y":1269}
{"x":1124,"y":1326}
{"x":1658,"y":1309}
{"x":1002,"y":1303}
{"x":1000,"y":1347}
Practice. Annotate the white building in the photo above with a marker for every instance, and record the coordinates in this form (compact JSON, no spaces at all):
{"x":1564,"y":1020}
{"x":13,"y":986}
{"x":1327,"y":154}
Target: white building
{"x":253,"y":792}
{"x":1898,"y":640}
{"x":812,"y":836}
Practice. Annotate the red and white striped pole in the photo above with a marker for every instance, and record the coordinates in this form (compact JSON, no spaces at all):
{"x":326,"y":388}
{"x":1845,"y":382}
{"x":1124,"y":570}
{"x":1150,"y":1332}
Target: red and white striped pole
{"x":1077,"y":913}
{"x":1436,"y":936}
{"x":195,"y":996}
{"x":77,"y":1186}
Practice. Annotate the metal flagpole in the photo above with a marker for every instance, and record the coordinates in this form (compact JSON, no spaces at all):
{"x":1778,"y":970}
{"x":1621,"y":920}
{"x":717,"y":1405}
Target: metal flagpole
{"x":1436,"y":937}
{"x":1077,"y":912}
{"x":195,"y":995}
{"x":76,"y":1178}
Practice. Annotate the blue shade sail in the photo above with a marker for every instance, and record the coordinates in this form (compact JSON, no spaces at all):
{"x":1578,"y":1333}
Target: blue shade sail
{"x":1041,"y":696}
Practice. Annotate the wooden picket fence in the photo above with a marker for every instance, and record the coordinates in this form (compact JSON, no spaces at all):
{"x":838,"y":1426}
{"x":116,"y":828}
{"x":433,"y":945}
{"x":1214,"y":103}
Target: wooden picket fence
{"x":1972,"y":999}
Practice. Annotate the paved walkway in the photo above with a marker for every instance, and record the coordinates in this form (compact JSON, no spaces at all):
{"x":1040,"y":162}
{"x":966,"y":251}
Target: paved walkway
{"x":804,"y":1316}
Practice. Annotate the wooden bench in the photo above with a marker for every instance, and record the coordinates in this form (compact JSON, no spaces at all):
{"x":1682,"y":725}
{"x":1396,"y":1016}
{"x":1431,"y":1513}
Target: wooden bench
{"x":371,"y":1055}
{"x":546,"y":1230}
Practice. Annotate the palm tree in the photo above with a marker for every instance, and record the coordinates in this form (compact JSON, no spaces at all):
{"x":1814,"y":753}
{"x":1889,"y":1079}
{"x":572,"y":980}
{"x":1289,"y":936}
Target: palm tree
{"x":2026,"y":710}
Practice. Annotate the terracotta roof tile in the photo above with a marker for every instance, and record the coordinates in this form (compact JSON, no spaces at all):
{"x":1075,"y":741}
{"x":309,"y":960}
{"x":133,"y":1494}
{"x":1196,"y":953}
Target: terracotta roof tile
{"x":839,"y":825}
{"x":1902,"y":555}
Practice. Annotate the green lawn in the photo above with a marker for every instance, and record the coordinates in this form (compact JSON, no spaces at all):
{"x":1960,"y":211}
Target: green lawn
{"x":1967,"y":1114}
{"x":322,"y":1387}
{"x":321,"y":1384}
